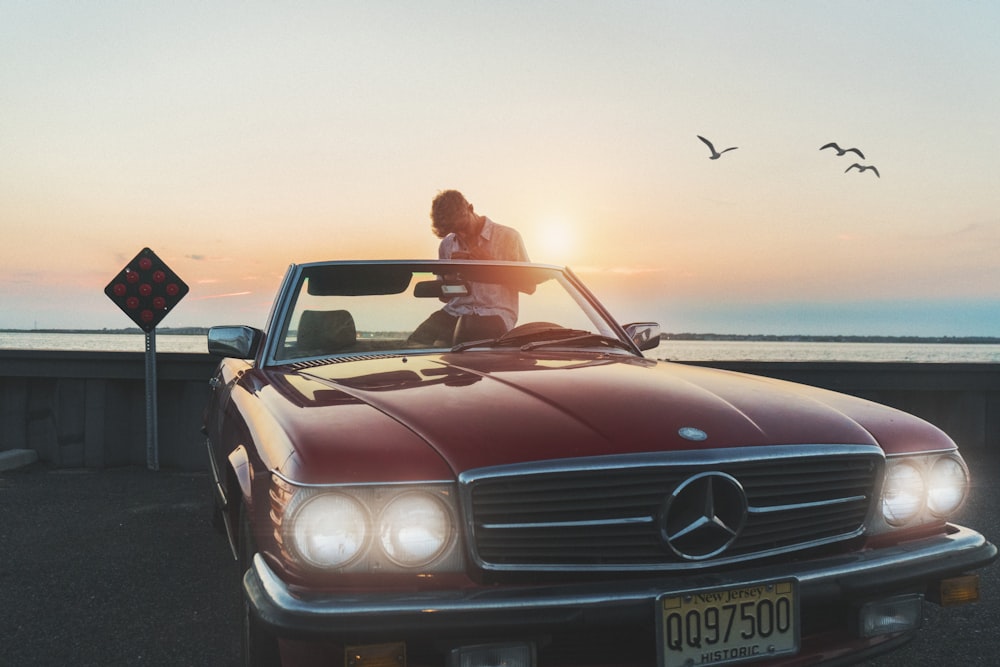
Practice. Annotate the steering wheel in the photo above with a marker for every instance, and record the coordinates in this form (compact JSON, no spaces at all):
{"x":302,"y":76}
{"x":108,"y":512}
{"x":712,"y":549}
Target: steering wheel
{"x":530,"y":329}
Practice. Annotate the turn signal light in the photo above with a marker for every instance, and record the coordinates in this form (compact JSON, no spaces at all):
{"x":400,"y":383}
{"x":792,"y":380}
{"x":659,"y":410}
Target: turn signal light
{"x":956,"y":591}
{"x":376,"y":655}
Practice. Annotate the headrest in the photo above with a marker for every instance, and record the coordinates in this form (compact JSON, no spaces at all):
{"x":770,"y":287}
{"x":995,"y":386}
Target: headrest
{"x":324,"y":331}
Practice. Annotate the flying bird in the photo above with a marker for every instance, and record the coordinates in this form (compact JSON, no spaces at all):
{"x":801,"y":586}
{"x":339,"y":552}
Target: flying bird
{"x":715,"y":154}
{"x":842,"y":151}
{"x":862,"y":168}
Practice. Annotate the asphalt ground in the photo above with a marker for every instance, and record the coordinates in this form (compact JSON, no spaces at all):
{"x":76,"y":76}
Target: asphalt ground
{"x":123,"y":567}
{"x":116,"y":567}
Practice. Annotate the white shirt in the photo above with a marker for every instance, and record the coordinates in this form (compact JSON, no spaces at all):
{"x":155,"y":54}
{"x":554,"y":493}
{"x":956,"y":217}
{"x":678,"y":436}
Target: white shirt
{"x":496,"y":242}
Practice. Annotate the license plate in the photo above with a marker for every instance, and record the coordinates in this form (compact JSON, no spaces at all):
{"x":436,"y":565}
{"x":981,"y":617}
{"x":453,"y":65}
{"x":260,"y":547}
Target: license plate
{"x":720,"y":626}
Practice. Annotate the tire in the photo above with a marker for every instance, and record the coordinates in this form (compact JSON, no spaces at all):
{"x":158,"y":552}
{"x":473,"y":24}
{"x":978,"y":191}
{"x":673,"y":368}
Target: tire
{"x":259,"y":647}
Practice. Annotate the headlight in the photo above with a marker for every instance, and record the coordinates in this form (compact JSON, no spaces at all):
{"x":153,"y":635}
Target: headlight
{"x":922,"y":488}
{"x":947,"y":485}
{"x":329,"y":530}
{"x":903,"y":496}
{"x":367,"y":527}
{"x":414,"y":528}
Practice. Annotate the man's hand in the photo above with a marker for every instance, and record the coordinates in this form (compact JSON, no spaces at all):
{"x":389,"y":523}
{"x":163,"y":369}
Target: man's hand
{"x":474,"y":253}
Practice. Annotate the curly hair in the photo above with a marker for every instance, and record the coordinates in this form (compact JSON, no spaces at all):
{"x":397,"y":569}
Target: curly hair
{"x":448,"y":206}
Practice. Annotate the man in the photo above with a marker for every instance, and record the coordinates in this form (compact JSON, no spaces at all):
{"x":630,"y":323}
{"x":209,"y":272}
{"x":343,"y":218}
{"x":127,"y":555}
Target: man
{"x":490,"y":309}
{"x":465,"y":234}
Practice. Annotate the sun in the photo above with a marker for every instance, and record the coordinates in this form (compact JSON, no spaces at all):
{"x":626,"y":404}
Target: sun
{"x":555,"y":240}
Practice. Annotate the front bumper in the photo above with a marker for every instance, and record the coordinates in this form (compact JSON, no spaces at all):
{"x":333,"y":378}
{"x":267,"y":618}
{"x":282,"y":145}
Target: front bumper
{"x":576,"y":606}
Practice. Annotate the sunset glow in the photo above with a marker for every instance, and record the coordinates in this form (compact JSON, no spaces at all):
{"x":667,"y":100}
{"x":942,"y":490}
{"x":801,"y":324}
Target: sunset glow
{"x":554,"y":240}
{"x":236,"y":138}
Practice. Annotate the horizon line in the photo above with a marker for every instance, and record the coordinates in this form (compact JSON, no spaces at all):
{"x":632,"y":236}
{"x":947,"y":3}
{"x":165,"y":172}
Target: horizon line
{"x":664,"y":337}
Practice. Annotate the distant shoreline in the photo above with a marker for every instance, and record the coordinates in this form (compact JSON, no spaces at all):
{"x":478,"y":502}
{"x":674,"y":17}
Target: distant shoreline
{"x":173,"y":331}
{"x":707,"y":337}
{"x":804,"y":338}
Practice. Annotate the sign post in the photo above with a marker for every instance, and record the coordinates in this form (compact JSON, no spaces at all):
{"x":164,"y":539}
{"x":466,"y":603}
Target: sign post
{"x":146,"y":290}
{"x":152,"y":441}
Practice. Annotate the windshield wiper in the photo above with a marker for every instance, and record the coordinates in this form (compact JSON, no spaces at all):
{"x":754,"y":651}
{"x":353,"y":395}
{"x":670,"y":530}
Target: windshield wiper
{"x":531,"y":330}
{"x":575,"y":340}
{"x":487,"y":342}
{"x":550,"y":336}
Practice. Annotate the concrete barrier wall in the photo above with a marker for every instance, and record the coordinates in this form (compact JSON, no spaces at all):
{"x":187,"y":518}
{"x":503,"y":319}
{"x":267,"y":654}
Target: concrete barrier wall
{"x":88,"y":409}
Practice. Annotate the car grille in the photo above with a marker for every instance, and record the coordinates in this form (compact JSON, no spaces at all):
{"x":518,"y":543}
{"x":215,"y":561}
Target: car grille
{"x":608,"y":513}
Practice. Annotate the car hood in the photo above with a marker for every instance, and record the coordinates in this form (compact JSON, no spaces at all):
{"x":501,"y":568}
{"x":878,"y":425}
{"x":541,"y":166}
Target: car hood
{"x":477,"y":409}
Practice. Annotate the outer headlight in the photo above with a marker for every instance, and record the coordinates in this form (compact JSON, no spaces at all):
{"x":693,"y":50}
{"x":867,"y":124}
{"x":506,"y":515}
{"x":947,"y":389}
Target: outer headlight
{"x":922,"y":488}
{"x":414,"y":529}
{"x":947,"y":484}
{"x":329,"y":530}
{"x":903,"y":495}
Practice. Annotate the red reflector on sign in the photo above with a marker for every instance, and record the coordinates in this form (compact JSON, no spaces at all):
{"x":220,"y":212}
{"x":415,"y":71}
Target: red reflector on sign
{"x":146,"y":290}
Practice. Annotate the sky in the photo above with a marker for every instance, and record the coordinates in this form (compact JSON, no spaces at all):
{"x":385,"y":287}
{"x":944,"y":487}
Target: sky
{"x":235,"y":138}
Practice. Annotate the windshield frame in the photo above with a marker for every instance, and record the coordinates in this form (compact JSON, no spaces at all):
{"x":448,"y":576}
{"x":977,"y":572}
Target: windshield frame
{"x":529,"y":274}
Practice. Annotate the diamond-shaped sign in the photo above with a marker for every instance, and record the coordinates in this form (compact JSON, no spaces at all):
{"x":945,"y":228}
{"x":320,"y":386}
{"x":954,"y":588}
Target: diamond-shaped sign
{"x":146,"y":289}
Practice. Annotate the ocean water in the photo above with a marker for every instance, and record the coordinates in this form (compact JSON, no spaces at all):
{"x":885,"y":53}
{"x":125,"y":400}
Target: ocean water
{"x":672,"y":350}
{"x":811,"y":351}
{"x":100,"y":342}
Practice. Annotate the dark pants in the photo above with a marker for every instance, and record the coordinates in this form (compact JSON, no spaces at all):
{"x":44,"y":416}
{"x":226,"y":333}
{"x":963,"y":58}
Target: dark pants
{"x":479,"y":327}
{"x":438,"y":330}
{"x":444,"y":330}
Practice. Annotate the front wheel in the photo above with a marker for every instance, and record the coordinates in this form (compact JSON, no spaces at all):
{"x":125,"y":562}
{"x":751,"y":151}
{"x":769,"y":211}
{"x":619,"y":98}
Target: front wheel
{"x":259,"y":647}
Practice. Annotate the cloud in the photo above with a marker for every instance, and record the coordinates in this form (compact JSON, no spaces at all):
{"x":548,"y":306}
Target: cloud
{"x":201,"y":257}
{"x":620,"y":270}
{"x":221,"y":296}
{"x":977,"y":230}
{"x":21,"y":278}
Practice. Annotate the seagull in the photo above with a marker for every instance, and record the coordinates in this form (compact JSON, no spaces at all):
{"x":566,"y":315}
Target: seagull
{"x":841,"y":151}
{"x":862,"y":167}
{"x":715,"y":154}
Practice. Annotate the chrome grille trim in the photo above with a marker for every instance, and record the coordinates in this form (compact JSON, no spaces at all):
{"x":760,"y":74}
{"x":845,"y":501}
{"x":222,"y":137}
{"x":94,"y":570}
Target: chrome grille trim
{"x":802,"y":506}
{"x":565,"y":524}
{"x":604,"y":513}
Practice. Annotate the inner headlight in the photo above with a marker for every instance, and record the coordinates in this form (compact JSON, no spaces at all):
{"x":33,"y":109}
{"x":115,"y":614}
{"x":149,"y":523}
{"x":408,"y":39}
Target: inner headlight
{"x":329,"y":530}
{"x":414,"y":529}
{"x":946,"y":486}
{"x":903,"y":495}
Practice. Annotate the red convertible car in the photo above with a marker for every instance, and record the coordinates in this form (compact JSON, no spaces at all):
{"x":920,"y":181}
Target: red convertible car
{"x":461,"y":463}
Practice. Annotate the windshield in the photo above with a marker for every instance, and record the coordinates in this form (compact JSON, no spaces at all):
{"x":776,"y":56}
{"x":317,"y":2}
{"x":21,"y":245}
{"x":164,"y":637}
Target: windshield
{"x":374,"y":308}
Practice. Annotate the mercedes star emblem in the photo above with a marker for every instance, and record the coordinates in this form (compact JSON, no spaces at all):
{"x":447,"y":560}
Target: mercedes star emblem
{"x":704,"y":515}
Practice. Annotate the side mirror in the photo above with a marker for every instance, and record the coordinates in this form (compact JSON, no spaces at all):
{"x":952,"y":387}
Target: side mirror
{"x":645,"y":335}
{"x":240,"y":342}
